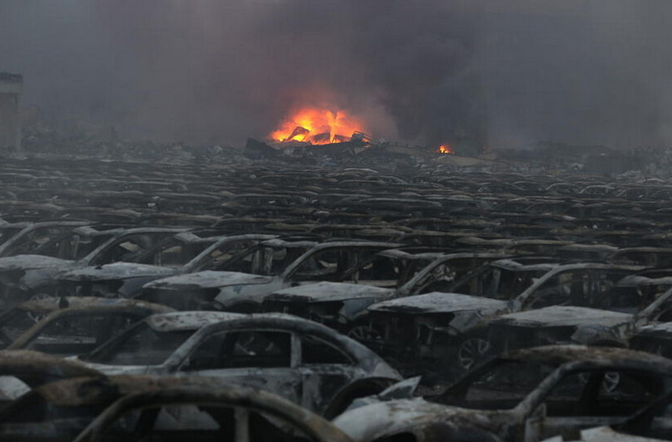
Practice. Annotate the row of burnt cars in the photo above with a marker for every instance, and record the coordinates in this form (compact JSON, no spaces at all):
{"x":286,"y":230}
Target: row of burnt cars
{"x":145,"y":302}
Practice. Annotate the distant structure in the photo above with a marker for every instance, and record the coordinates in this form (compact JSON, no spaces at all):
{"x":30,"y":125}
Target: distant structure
{"x":11,"y":87}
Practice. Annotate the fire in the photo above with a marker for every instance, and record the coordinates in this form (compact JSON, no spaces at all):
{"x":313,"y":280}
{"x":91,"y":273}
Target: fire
{"x":445,"y":148}
{"x":317,"y":126}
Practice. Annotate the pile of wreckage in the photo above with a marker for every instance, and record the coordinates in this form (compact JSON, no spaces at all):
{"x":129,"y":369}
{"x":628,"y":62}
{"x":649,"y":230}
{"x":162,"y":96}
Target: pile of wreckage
{"x":271,"y":301}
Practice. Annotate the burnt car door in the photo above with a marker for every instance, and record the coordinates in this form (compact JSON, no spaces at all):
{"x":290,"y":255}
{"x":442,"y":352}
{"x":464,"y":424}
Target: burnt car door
{"x":325,"y":371}
{"x":265,"y":359}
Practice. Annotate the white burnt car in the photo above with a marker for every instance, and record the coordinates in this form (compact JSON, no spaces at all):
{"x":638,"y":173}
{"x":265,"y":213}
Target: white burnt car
{"x":208,"y":412}
{"x":303,"y":361}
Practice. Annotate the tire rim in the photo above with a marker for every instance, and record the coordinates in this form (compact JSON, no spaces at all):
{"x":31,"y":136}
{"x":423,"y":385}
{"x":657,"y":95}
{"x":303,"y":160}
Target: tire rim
{"x":471,"y":351}
{"x":364,"y":333}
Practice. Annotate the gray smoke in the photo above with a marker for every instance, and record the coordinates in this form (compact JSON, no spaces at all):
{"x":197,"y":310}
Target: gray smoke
{"x":509,"y":73}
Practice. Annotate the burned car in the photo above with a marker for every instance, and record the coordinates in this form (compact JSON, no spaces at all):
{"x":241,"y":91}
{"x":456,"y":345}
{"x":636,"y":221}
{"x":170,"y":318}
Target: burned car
{"x":186,"y":252}
{"x":634,"y":302}
{"x":652,"y":423}
{"x":303,"y":361}
{"x":59,"y":411}
{"x":24,"y":276}
{"x":341,"y":305}
{"x":74,"y":326}
{"x":227,"y":414}
{"x":34,"y":238}
{"x":451,"y":328}
{"x":259,"y":271}
{"x":526,"y":395}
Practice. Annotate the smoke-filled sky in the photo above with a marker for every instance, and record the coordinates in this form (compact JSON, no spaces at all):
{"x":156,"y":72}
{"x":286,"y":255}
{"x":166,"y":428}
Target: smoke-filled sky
{"x":217,"y":71}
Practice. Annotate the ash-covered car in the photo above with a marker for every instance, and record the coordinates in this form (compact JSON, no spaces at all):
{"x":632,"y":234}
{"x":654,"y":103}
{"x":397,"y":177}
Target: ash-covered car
{"x":452,"y":328}
{"x":60,"y":411}
{"x":263,"y":269}
{"x":303,"y":361}
{"x":186,"y":252}
{"x":227,"y":414}
{"x":528,"y":395}
{"x":634,"y":302}
{"x":25,"y":276}
{"x":44,"y":238}
{"x":342,"y":305}
{"x":74,"y":326}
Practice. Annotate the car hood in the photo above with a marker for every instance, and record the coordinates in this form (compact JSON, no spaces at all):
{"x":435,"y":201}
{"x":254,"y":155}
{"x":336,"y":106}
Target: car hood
{"x":438,"y":302}
{"x":388,"y":418}
{"x":28,"y":262}
{"x":117,"y":270}
{"x":330,"y":292}
{"x":208,"y":279}
{"x":564,"y":316}
{"x":112,"y":370}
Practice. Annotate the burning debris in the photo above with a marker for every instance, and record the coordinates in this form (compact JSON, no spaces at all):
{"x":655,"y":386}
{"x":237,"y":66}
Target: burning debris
{"x":318,"y":126}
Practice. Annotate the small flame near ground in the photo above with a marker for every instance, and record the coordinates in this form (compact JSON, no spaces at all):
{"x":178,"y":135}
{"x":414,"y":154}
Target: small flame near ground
{"x":445,"y":148}
{"x":317,"y":126}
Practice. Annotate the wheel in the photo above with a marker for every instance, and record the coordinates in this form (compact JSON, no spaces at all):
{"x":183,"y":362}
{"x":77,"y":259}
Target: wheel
{"x":364,"y":333}
{"x":472,"y":351}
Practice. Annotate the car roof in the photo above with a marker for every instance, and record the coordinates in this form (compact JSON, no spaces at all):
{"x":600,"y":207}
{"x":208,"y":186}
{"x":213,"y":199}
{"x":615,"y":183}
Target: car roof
{"x":184,"y":321}
{"x":562,"y":354}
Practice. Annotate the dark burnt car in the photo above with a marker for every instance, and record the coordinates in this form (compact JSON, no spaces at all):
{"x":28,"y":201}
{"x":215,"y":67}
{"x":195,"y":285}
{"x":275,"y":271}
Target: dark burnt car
{"x":79,"y":313}
{"x":33,"y":238}
{"x":24,"y":276}
{"x":226,"y":414}
{"x":525,"y":395}
{"x":248,"y":278}
{"x":634,"y":302}
{"x":74,"y":326}
{"x":59,"y":411}
{"x":452,"y":327}
{"x":183,"y":253}
{"x":654,"y":338}
{"x":342,"y":306}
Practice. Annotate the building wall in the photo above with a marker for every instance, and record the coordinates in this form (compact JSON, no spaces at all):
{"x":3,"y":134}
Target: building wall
{"x":10,"y":125}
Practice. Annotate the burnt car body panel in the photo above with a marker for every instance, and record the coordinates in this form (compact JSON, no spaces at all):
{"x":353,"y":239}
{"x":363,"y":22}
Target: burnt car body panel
{"x":230,"y":290}
{"x":223,"y":345}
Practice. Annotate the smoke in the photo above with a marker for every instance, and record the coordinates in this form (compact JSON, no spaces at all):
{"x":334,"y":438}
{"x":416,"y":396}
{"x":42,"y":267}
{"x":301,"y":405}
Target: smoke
{"x":428,"y":71}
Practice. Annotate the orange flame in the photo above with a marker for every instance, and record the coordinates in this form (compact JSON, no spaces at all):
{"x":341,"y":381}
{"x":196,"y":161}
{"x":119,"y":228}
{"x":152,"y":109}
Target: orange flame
{"x":317,"y":126}
{"x":445,"y":148}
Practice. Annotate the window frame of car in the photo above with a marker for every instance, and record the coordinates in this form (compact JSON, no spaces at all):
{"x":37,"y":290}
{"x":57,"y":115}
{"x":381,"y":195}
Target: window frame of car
{"x":178,"y":360}
{"x":192,"y":344}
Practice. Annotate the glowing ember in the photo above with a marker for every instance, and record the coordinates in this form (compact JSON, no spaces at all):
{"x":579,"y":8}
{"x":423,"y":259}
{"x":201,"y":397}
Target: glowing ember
{"x":317,"y":126}
{"x":444,"y":148}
